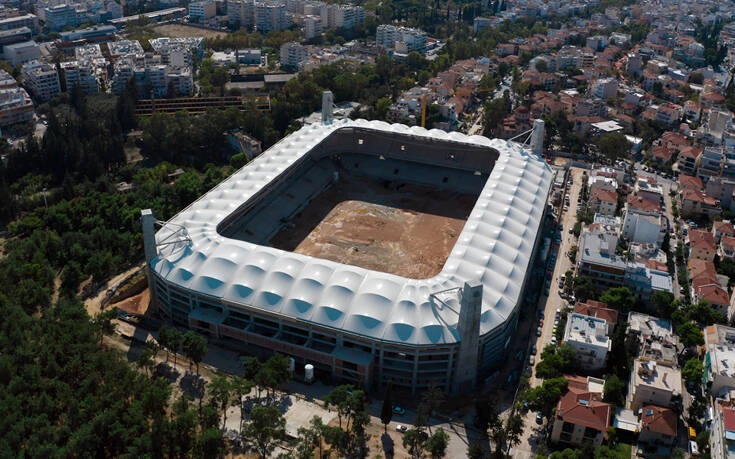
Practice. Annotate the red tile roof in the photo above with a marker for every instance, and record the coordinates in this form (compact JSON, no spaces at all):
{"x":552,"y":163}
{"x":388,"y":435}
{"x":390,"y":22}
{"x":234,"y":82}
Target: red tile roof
{"x":691,"y":182}
{"x":656,"y":265}
{"x":713,"y":293}
{"x":723,"y":227}
{"x":728,"y":241}
{"x":604,"y":195}
{"x":698,"y":196}
{"x":657,"y":419}
{"x":583,"y":408}
{"x":701,"y":268}
{"x":644,"y":204}
{"x":597,"y":309}
{"x":701,"y":239}
{"x":729,"y":418}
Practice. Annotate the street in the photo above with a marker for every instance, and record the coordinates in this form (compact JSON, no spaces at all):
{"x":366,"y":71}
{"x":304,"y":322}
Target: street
{"x":532,"y":435}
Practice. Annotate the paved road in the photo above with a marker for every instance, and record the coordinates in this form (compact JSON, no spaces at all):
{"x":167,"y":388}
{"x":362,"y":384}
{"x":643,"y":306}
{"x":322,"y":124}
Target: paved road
{"x":532,"y":435}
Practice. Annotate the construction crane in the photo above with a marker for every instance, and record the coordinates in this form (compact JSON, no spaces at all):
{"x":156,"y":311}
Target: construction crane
{"x":423,"y":111}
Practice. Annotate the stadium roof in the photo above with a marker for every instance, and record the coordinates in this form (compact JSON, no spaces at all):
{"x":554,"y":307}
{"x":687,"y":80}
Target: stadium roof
{"x":494,"y":248}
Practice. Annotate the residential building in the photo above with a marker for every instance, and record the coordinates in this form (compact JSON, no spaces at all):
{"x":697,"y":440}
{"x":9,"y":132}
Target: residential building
{"x":312,"y":26}
{"x":696,"y":203}
{"x":581,"y":417}
{"x":588,"y":336}
{"x":727,"y":248}
{"x":98,"y":33}
{"x":202,"y":10}
{"x":10,"y":37}
{"x":722,"y":434}
{"x":125,"y":47}
{"x":604,"y":88}
{"x":58,"y":17}
{"x":722,"y":189}
{"x":15,"y":106}
{"x":686,"y":162}
{"x":599,"y":310}
{"x":644,"y":227}
{"x":722,"y":228}
{"x":603,"y":201}
{"x":647,"y":188}
{"x":719,"y":360}
{"x":80,"y":74}
{"x":702,"y":245}
{"x":408,"y":39}
{"x":178,"y":52}
{"x":271,"y":15}
{"x":41,"y":79}
{"x":16,"y":22}
{"x":292,"y":54}
{"x":709,"y":163}
{"x":241,"y":13}
{"x":19,"y":53}
{"x":653,"y":383}
{"x":658,"y":428}
{"x":598,"y":260}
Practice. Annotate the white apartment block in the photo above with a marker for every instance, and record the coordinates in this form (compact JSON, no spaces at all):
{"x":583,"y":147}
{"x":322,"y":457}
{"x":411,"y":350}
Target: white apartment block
{"x":588,"y":336}
{"x":41,"y":79}
{"x":341,"y":16}
{"x":125,"y":47}
{"x":644,"y":227}
{"x":58,"y":17}
{"x":201,"y":11}
{"x":719,"y":371}
{"x":388,"y":36}
{"x":16,"y":22}
{"x":151,"y":76}
{"x":271,"y":15}
{"x":80,"y":74}
{"x":241,"y":13}
{"x":177,"y":51}
{"x":15,"y":106}
{"x":292,"y":54}
{"x":653,"y":383}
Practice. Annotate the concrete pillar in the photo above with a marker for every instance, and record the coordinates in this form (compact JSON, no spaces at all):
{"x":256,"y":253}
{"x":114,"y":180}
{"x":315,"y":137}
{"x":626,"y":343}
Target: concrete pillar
{"x":149,"y":234}
{"x":537,"y":137}
{"x":468,"y":327}
{"x":147,"y":221}
{"x":327,"y":102}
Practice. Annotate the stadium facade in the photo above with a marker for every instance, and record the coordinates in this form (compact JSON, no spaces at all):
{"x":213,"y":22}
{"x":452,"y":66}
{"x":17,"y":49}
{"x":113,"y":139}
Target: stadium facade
{"x":211,"y":270}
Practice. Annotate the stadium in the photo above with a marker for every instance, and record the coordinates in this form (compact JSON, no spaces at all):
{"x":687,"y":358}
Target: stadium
{"x":372,"y":251}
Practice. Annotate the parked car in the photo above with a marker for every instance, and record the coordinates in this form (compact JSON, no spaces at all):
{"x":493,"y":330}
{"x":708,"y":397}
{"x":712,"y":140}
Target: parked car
{"x":531,"y":360}
{"x":401,"y":428}
{"x":538,"y":331}
{"x":539,"y":418}
{"x":553,"y":340}
{"x":399,"y":410}
{"x":533,"y":350}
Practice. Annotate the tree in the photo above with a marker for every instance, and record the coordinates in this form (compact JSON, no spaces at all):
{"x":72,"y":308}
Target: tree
{"x":663,"y":302}
{"x":543,"y":398}
{"x":221,"y":390}
{"x":583,"y":288}
{"x":476,"y":451}
{"x":619,"y":298}
{"x":614,"y":146}
{"x":386,"y":411}
{"x":194,"y":347}
{"x":310,"y":438}
{"x":339,"y":399}
{"x":175,"y":341}
{"x":103,"y":320}
{"x":414,"y":441}
{"x":614,"y":391}
{"x":437,"y":444}
{"x":513,"y":430}
{"x":240,"y":388}
{"x":145,"y":358}
{"x":266,"y":429}
{"x":556,"y":361}
{"x":690,"y":335}
{"x":693,"y":371}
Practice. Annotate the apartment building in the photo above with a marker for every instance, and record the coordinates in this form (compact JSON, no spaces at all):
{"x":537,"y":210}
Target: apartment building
{"x":313,"y":26}
{"x":603,"y":201}
{"x":271,"y":15}
{"x":598,"y":260}
{"x":292,"y":54}
{"x":341,"y":16}
{"x":388,"y":36}
{"x":58,"y":17}
{"x":702,"y":245}
{"x":696,"y":203}
{"x":653,"y":383}
{"x":178,"y":52}
{"x":241,"y":13}
{"x":644,"y":227}
{"x":722,"y":430}
{"x":604,"y":88}
{"x":658,"y":428}
{"x":201,"y":11}
{"x":125,"y":47}
{"x":588,"y":336}
{"x":719,"y":361}
{"x":581,"y":417}
{"x":599,"y":310}
{"x":15,"y":106}
{"x":41,"y":79}
{"x":16,"y":22}
{"x":79,"y":74}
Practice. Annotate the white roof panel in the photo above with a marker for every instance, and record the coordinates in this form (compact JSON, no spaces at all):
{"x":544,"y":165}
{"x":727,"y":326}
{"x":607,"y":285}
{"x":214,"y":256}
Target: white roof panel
{"x":494,"y":246}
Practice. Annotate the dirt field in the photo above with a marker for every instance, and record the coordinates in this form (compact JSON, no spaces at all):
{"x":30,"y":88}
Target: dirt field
{"x":401,"y":229}
{"x":181,"y":31}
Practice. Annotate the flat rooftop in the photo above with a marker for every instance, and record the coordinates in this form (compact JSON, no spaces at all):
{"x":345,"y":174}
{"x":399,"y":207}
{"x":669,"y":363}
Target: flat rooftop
{"x":657,"y":375}
{"x":589,"y":330}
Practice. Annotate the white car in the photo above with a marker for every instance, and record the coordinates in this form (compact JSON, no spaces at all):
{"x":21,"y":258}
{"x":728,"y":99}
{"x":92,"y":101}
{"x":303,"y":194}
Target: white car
{"x":401,"y":428}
